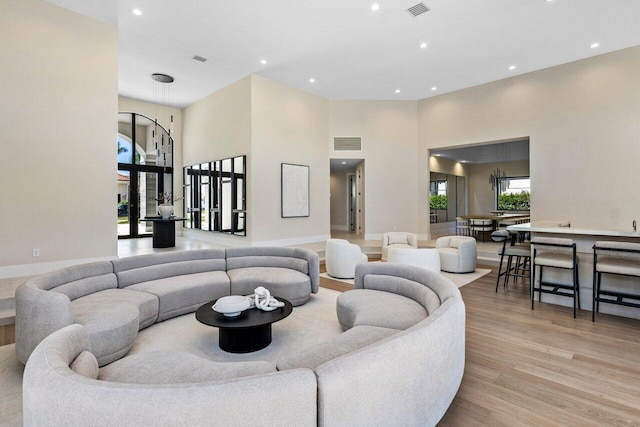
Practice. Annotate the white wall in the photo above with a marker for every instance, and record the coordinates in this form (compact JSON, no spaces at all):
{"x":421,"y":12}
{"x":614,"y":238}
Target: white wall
{"x":389,"y":146}
{"x":288,"y":126}
{"x":272,"y":124}
{"x":582,"y":121}
{"x":219,"y":127}
{"x":59,"y":99}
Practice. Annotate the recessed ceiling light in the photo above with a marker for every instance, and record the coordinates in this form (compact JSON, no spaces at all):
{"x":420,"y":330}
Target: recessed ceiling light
{"x":464,"y":161}
{"x":512,"y":67}
{"x":594,"y":45}
{"x":423,"y":45}
{"x":437,"y":155}
{"x":344,"y":163}
{"x":263,"y":62}
{"x":137,"y":12}
{"x":312,"y":80}
{"x":397,"y":90}
{"x":434,"y":88}
{"x":375,"y":7}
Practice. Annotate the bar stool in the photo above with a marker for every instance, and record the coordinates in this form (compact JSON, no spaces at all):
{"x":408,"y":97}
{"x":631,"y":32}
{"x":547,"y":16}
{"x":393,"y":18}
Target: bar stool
{"x":522,"y":254}
{"x":619,"y":258}
{"x":462,"y":226}
{"x":556,"y":253}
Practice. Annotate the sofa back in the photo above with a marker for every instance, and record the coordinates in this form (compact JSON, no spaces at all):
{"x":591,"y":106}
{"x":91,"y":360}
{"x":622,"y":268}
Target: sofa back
{"x":303,"y":260}
{"x":144,"y":268}
{"x":78,"y":280}
{"x":428,"y":288}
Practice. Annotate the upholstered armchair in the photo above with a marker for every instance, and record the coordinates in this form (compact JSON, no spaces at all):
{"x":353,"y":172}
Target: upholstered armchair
{"x":458,"y":254}
{"x":341,"y":258}
{"x":397,"y":239}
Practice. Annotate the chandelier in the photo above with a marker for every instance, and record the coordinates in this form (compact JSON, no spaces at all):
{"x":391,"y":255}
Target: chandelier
{"x":495,"y":177}
{"x":162,"y":101}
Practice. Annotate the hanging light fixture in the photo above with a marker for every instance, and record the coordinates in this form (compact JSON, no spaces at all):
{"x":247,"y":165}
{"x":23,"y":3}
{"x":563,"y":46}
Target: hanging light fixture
{"x":162,"y":100}
{"x":495,"y":177}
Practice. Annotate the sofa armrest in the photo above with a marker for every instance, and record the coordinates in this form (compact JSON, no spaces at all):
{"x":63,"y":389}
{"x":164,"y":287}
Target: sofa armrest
{"x":412,"y":239}
{"x":38,"y":314}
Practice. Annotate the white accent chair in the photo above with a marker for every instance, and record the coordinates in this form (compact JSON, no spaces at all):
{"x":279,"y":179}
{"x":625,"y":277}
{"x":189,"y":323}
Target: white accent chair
{"x":423,"y":257}
{"x":341,"y":258}
{"x":458,"y":254}
{"x":397,"y":239}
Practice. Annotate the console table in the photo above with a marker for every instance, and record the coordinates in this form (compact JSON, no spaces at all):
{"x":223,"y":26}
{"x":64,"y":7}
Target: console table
{"x":164,"y":231}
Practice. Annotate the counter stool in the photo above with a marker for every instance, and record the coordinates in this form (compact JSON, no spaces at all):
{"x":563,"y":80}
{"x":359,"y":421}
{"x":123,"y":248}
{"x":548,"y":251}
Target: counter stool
{"x":522,"y":253}
{"x":620,"y":258}
{"x":557,"y":253}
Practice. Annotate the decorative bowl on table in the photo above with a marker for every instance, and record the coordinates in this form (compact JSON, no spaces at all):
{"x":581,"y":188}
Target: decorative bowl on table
{"x":231,"y":306}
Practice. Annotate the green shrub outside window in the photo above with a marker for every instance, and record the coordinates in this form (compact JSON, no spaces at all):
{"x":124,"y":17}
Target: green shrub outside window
{"x":438,"y":201}
{"x":514,"y":202}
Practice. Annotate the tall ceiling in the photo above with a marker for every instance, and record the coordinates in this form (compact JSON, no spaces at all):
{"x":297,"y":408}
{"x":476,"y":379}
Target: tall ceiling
{"x":351,"y":51}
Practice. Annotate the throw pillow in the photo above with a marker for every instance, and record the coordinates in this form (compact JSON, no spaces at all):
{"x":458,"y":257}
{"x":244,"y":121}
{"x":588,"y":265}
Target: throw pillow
{"x":86,"y":365}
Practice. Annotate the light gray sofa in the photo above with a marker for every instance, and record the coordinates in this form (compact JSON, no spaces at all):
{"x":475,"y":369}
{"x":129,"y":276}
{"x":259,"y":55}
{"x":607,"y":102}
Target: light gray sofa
{"x":399,"y":362}
{"x":62,"y":386}
{"x":116,"y":299}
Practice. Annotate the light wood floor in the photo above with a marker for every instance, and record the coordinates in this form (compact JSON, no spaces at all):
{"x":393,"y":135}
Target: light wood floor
{"x":542,"y":367}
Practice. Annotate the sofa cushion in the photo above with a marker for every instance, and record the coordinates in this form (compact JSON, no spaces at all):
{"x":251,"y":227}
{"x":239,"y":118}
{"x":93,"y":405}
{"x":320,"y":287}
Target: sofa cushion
{"x":172,"y":367}
{"x":455,"y":242}
{"x":418,"y":292}
{"x":184,"y":294}
{"x":86,"y":365}
{"x":354,"y":339}
{"x":378,"y":308}
{"x":398,"y":239}
{"x":146,"y":304}
{"x":112,"y":329}
{"x":281,"y":282}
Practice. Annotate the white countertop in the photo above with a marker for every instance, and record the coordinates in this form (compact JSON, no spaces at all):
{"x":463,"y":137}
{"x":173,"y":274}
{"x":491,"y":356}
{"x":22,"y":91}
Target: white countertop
{"x":557,"y":229}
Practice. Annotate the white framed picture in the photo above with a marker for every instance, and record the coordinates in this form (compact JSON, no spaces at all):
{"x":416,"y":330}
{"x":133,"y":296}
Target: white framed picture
{"x":295,"y":190}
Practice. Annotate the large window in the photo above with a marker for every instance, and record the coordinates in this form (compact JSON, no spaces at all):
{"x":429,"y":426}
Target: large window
{"x":514,"y":194}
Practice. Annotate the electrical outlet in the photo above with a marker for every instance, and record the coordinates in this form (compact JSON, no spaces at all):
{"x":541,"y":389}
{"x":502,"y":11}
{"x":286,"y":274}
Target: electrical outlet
{"x":36,"y":252}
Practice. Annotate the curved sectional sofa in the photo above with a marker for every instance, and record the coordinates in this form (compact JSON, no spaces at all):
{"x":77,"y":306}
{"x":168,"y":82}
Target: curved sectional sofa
{"x":113,"y":300}
{"x":399,"y":362}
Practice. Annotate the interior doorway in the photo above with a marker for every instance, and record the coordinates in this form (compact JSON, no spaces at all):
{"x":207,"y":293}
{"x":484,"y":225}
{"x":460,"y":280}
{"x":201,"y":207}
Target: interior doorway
{"x":347,"y":196}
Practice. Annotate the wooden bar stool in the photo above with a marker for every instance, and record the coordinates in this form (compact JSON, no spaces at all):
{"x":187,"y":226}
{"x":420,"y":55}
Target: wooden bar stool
{"x":522,"y":254}
{"x":619,"y":258}
{"x":556,"y":253}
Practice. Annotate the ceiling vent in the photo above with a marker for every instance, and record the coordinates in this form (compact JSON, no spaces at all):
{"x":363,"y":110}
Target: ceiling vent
{"x":200,"y":58}
{"x":347,"y":143}
{"x":418,"y":9}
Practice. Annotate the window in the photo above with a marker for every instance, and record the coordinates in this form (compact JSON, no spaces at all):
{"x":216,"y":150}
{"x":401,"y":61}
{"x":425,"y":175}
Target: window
{"x":514,"y":194}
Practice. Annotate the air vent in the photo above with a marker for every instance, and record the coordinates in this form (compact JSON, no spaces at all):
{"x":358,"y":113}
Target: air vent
{"x":347,"y":143}
{"x":418,"y":9}
{"x":200,"y":58}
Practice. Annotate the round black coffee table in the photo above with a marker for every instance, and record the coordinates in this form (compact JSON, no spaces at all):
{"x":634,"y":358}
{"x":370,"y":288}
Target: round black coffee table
{"x":247,"y":332}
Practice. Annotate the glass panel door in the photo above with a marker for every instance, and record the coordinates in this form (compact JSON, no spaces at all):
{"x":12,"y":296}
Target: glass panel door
{"x":123,"y":202}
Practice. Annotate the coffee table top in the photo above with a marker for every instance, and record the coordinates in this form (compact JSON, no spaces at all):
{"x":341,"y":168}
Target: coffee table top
{"x":247,"y":319}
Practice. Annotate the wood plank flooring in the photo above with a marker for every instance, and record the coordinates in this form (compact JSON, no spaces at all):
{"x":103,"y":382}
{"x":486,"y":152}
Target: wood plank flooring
{"x":542,"y":367}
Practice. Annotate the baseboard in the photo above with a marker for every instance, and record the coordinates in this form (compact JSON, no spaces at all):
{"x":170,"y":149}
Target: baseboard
{"x":219,"y":238}
{"x":293,"y":241}
{"x":45,"y":267}
{"x":379,"y":236}
{"x":239,"y":241}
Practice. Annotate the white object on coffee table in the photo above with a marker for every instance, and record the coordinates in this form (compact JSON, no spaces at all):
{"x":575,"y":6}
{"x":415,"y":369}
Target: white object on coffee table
{"x":231,"y":306}
{"x":264,"y":301}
